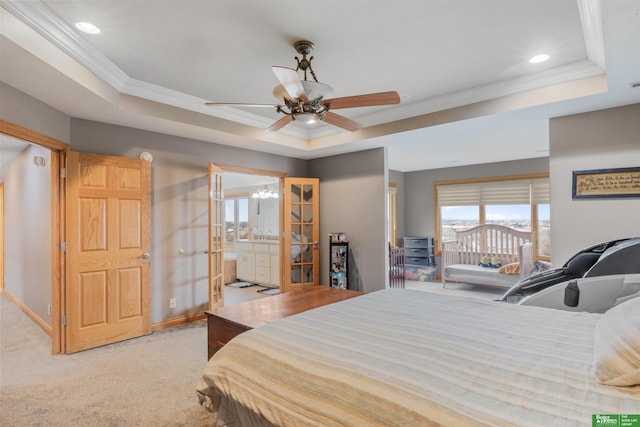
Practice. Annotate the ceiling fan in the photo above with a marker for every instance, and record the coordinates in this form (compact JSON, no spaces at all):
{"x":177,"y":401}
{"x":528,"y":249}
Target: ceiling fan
{"x":305,"y":99}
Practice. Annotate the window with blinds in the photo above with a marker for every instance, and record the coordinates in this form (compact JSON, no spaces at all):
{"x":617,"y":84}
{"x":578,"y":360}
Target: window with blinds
{"x":515,"y":192}
{"x":520,"y":203}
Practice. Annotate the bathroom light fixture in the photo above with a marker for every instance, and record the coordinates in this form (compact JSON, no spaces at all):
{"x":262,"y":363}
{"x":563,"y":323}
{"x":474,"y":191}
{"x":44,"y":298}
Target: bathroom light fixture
{"x":264,"y":193}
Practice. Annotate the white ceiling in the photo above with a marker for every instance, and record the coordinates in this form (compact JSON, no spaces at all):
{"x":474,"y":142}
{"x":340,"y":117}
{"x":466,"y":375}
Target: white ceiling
{"x":469,"y":94}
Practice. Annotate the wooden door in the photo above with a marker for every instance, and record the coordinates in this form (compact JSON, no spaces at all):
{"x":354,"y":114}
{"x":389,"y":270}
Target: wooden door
{"x":301,"y":251}
{"x":108,"y":293}
{"x":216,"y":237}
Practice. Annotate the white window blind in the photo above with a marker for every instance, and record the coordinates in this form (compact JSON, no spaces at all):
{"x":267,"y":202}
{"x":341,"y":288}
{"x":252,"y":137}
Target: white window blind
{"x":512,"y":192}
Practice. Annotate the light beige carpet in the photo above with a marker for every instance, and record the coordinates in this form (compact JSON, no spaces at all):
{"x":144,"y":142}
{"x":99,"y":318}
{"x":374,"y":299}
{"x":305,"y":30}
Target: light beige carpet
{"x":148,"y":381}
{"x":458,"y":289}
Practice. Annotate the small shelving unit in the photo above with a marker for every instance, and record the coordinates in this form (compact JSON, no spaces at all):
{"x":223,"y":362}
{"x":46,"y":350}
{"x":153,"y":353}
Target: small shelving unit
{"x":339,"y":261}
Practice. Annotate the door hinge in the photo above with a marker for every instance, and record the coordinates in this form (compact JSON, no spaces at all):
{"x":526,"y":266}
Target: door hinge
{"x":63,"y":246}
{"x":63,"y":172}
{"x":63,"y":320}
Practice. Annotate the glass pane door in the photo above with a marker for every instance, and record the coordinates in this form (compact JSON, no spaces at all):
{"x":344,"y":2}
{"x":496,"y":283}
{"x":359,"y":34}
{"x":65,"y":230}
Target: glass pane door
{"x":216,"y":238}
{"x":302,"y":231}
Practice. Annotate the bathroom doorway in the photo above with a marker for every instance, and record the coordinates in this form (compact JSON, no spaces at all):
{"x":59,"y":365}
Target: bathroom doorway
{"x":252,"y":221}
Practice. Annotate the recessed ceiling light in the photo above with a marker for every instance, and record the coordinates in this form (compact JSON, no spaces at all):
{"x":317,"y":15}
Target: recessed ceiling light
{"x":539,"y":58}
{"x":87,"y":27}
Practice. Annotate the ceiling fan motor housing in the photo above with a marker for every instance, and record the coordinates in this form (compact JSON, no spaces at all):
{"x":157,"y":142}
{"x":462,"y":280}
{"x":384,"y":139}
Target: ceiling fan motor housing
{"x":304,"y":48}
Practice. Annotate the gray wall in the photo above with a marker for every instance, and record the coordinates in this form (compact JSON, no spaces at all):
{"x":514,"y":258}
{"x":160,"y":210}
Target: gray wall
{"x":353,"y":200}
{"x":178,"y":203}
{"x":598,"y":140}
{"x":21,"y":109}
{"x":419,"y":185}
{"x":352,"y":195}
{"x":27,"y":230}
{"x":27,"y":202}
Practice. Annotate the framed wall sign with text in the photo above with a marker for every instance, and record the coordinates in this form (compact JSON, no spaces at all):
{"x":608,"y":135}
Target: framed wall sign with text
{"x":606,"y":183}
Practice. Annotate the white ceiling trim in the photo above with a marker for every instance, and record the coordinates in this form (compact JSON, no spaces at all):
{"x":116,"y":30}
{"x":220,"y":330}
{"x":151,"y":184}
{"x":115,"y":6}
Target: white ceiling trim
{"x":558,"y":75}
{"x":46,"y":23}
{"x":591,"y":20}
{"x":43,"y":20}
{"x":152,"y":92}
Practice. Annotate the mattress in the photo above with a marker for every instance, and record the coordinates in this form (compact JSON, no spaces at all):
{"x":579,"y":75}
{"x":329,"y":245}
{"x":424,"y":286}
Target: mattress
{"x":477,"y":274}
{"x":399,"y":357}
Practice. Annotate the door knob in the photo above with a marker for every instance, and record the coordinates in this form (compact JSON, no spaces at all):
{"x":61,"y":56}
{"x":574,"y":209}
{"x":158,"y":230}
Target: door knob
{"x":145,"y":255}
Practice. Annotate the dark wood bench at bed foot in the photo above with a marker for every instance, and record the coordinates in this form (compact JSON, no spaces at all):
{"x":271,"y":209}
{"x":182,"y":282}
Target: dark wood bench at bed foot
{"x":224,"y":323}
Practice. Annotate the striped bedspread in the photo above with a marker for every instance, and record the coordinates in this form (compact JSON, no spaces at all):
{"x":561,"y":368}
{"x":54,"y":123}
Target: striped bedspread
{"x":408,"y":358}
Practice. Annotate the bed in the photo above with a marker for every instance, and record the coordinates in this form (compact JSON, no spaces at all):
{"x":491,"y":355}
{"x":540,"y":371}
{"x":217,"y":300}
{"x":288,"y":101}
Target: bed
{"x":399,"y":357}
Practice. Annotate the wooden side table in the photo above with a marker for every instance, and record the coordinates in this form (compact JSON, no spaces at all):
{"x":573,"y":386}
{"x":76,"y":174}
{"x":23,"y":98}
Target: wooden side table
{"x":224,"y":323}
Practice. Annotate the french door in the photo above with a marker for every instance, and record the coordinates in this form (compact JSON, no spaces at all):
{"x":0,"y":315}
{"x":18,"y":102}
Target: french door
{"x":299,"y":236}
{"x":216,"y":237}
{"x":300,"y":243}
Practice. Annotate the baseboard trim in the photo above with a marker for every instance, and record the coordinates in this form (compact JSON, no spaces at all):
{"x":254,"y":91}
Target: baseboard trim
{"x":30,"y":314}
{"x":178,"y":321}
{"x":171,"y":323}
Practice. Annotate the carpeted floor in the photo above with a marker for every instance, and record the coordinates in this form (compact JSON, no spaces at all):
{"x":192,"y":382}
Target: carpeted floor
{"x":148,"y":381}
{"x":459,"y":289}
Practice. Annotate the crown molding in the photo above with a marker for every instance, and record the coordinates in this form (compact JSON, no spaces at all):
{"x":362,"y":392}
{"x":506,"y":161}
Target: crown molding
{"x":161,"y":94}
{"x":567,"y":73}
{"x":591,"y":19}
{"x":45,"y":22}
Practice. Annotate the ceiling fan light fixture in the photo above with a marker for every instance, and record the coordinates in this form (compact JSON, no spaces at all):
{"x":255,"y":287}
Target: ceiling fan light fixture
{"x":307,"y":101}
{"x":316,"y":90}
{"x":307,"y":117}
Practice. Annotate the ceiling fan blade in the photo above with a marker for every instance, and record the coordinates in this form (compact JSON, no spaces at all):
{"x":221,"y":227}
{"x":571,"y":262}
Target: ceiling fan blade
{"x":238,"y":104}
{"x":368,"y":100}
{"x":341,"y":121}
{"x":289,"y":79}
{"x":285,"y":120}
